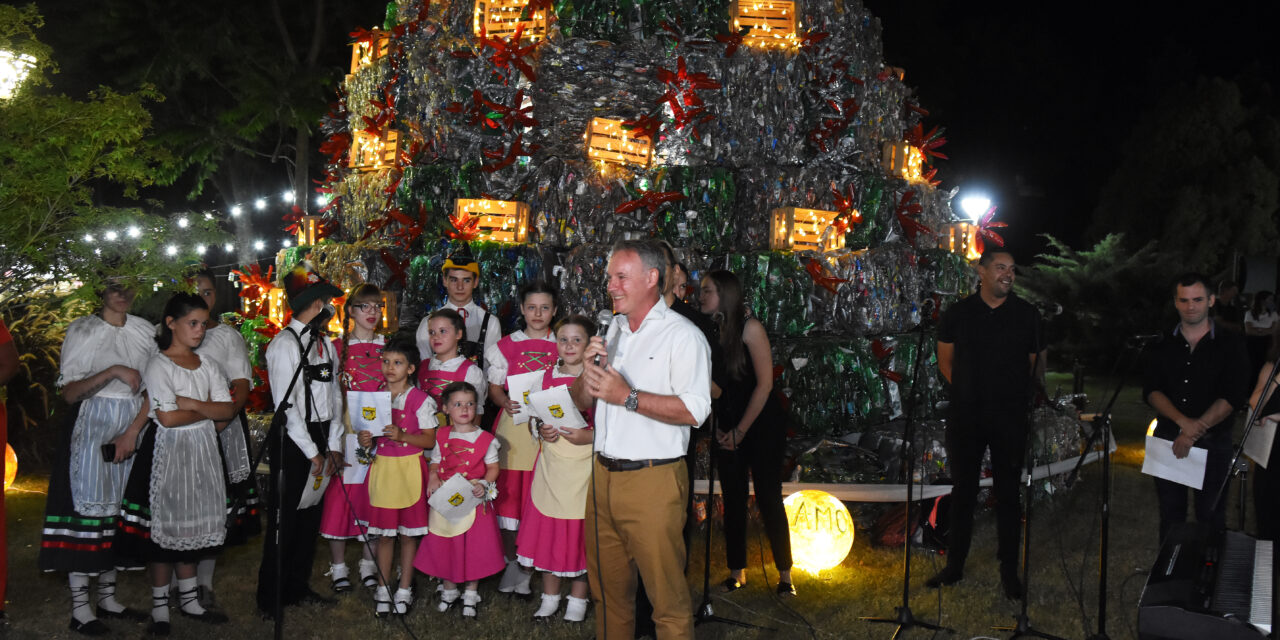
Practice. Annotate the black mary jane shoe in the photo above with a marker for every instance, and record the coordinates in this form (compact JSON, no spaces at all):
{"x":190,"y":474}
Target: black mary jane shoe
{"x":786,"y":589}
{"x":128,"y":613}
{"x":91,"y":628}
{"x":731,"y":584}
{"x":159,"y":629}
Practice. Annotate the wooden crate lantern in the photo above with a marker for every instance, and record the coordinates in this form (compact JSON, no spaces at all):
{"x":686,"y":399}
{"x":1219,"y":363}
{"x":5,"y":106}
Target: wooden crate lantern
{"x":796,"y":229}
{"x":769,"y":23}
{"x":500,"y":18}
{"x":370,"y":152}
{"x":278,"y":310}
{"x":367,"y":51}
{"x":500,"y":220}
{"x":960,"y":238}
{"x":390,"y":322}
{"x":608,"y":141}
{"x":309,"y":230}
{"x":902,"y":160}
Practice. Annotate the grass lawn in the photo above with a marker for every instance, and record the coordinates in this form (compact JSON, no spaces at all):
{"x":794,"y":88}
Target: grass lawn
{"x":1063,"y":593}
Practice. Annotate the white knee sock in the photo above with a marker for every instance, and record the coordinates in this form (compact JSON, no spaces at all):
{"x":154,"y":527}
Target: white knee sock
{"x":107,"y":592}
{"x":160,"y":603}
{"x":80,"y":610}
{"x":204,"y":572}
{"x":188,"y":596}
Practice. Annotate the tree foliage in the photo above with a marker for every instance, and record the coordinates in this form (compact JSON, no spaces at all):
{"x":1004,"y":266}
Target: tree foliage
{"x":1200,"y":175}
{"x":1107,"y":293}
{"x":69,"y":171}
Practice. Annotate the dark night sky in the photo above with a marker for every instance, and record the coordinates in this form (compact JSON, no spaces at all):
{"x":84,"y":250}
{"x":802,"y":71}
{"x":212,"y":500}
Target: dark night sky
{"x":1037,"y":97}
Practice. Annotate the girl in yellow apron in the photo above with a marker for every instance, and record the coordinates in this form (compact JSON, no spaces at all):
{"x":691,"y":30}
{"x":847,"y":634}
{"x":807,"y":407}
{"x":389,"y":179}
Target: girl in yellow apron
{"x":551,"y":536}
{"x":397,"y":478}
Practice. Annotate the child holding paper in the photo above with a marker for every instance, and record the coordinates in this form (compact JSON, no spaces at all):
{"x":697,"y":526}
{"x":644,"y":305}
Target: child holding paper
{"x":345,"y":505}
{"x":551,"y":536}
{"x":445,"y":332}
{"x":468,"y":549}
{"x":530,"y":350}
{"x":397,"y":478}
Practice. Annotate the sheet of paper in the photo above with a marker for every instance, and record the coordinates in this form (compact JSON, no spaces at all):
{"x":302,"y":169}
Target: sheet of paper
{"x":369,"y":410}
{"x":555,"y":407}
{"x":519,"y":387}
{"x":355,"y":471}
{"x":1161,"y":463}
{"x":313,"y":491}
{"x":1258,"y":444}
{"x":454,"y":499}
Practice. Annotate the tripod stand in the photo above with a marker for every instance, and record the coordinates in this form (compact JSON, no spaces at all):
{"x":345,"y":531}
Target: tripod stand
{"x":705,"y":613}
{"x":1102,"y":429}
{"x":903,"y":616}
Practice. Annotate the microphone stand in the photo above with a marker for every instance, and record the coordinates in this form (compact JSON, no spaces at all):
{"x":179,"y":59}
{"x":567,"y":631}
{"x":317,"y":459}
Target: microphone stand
{"x":903,"y":616}
{"x":278,"y":420}
{"x":1102,"y":428}
{"x":705,"y":612}
{"x":1022,"y":623}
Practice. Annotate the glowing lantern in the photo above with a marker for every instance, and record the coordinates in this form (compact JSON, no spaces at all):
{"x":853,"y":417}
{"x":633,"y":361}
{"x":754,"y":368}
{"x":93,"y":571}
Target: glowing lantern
{"x":821,"y":530}
{"x":499,"y":19}
{"x":795,"y":229}
{"x":903,"y":160}
{"x":769,"y":23}
{"x":370,"y":152}
{"x":607,"y":141}
{"x":309,"y":230}
{"x":10,"y":465}
{"x":959,"y":238}
{"x":370,"y":49}
{"x":499,"y":220}
{"x":277,"y":307}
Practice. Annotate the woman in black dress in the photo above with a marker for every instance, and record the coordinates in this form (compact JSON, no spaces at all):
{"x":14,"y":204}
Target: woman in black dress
{"x":750,"y":429}
{"x":1266,"y":481}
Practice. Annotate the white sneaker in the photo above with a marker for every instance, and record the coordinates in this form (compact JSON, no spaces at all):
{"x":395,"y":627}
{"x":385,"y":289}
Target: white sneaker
{"x":403,"y":600}
{"x":550,"y":605}
{"x":576,"y":611}
{"x":469,"y":601}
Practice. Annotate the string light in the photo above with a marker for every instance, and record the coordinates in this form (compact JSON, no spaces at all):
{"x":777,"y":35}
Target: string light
{"x":111,"y":235}
{"x":260,"y":204}
{"x":259,"y":245}
{"x":183,"y":222}
{"x":235,"y":211}
{"x":321,"y":201}
{"x":200,"y":249}
{"x":287,"y":196}
{"x":171,"y":250}
{"x":88,"y":238}
{"x":134,"y":232}
{"x":288,"y":243}
{"x":228,"y":247}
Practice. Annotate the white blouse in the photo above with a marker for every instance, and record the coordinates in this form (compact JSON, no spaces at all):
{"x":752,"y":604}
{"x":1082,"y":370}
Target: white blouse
{"x":490,"y":456}
{"x":474,"y":376}
{"x":166,"y":380}
{"x":93,"y":345}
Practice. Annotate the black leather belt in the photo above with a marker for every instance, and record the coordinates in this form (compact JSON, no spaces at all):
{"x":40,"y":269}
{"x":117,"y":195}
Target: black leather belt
{"x":618,"y":464}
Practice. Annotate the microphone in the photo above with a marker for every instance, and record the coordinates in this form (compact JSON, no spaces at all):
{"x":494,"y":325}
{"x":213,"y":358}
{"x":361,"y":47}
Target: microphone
{"x":319,"y":322}
{"x":603,"y":320}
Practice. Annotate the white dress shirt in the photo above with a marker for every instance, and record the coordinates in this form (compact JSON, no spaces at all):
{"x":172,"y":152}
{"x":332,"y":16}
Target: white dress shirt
{"x":93,"y":344}
{"x":282,"y":360}
{"x":667,"y":355}
{"x":472,"y":318}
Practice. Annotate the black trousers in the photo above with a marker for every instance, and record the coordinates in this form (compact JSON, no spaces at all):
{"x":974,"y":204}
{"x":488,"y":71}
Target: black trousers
{"x":759,"y":455}
{"x":1173,"y":497}
{"x":298,"y":528}
{"x":969,"y":434}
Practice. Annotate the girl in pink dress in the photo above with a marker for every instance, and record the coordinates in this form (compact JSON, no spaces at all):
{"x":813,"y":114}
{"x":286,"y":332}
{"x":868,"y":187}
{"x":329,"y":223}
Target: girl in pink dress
{"x":467,"y":549}
{"x":532,"y":349}
{"x":551,"y":536}
{"x":397,"y":479}
{"x":345,"y":505}
{"x":445,"y":332}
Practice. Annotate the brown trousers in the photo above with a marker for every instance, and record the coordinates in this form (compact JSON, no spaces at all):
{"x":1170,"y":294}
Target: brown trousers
{"x":636,"y":518}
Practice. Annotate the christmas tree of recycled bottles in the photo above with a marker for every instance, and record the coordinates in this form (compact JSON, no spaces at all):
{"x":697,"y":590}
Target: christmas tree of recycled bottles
{"x":766,"y":137}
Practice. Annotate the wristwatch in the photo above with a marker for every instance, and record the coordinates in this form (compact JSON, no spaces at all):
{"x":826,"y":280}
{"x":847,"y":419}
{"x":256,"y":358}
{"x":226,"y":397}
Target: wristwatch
{"x":633,"y":400}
